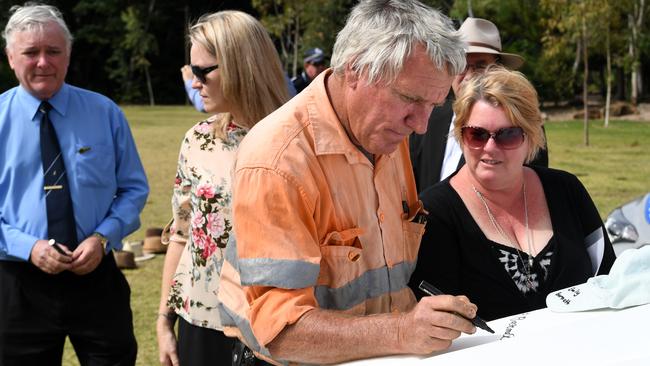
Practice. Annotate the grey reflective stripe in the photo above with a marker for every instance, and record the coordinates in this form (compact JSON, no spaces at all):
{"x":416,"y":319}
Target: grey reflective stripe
{"x":231,"y":251}
{"x":280,"y":273}
{"x":595,"y":245}
{"x":371,"y":284}
{"x":231,"y":319}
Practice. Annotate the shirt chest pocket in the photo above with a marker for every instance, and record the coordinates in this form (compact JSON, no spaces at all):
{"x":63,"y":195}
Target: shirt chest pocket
{"x":95,"y":165}
{"x":341,"y":251}
{"x":341,"y":266}
{"x":413,"y":232}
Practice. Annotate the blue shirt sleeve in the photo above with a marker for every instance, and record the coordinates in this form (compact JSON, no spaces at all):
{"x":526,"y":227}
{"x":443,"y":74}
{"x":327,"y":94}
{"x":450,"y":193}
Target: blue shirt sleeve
{"x":194,"y":96}
{"x":132,"y":188}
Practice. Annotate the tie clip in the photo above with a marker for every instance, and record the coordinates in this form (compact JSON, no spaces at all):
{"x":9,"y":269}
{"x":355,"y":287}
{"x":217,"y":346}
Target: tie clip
{"x":52,"y":188}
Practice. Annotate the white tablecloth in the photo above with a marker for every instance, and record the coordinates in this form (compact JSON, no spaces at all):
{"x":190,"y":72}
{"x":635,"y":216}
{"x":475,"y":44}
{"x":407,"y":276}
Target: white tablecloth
{"x":542,"y":337}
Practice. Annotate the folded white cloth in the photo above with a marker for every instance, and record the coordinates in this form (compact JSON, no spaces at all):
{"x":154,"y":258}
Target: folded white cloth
{"x":627,"y":284}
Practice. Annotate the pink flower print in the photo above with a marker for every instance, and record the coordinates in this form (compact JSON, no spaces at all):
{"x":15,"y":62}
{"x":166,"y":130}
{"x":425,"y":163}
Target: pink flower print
{"x":186,"y":304}
{"x":199,"y":238}
{"x":208,"y":248}
{"x":198,"y":219}
{"x":203,"y":128}
{"x":205,"y":191}
{"x":216,"y":224}
{"x":177,"y":181}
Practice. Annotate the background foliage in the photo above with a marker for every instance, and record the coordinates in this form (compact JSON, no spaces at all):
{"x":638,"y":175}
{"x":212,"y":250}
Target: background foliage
{"x":132,"y":50}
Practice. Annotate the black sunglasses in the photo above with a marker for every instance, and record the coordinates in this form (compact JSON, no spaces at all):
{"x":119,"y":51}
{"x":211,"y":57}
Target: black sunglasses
{"x":200,"y":73}
{"x":508,"y":138}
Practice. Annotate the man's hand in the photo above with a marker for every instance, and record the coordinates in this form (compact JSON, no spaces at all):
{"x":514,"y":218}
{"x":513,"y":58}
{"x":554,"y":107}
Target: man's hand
{"x":87,"y":256}
{"x":48,"y":260}
{"x":435,"y":322}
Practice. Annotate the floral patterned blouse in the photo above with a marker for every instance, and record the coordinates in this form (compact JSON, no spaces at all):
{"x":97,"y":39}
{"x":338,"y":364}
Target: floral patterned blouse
{"x":202,"y":220}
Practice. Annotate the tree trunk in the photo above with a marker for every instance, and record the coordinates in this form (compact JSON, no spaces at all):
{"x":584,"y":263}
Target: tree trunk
{"x":470,"y":12}
{"x":285,"y":40}
{"x":635,"y":23}
{"x":608,"y":98}
{"x":576,"y":61}
{"x":632,"y":53}
{"x":152,"y":102}
{"x":152,"y":5}
{"x":188,"y":45}
{"x":296,"y":45}
{"x":584,"y":81}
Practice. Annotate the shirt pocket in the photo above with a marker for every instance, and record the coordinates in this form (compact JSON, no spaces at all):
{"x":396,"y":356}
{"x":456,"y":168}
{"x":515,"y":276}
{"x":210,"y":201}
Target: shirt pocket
{"x":342,"y":247}
{"x":341,"y":263}
{"x":413,"y":232}
{"x":95,"y":165}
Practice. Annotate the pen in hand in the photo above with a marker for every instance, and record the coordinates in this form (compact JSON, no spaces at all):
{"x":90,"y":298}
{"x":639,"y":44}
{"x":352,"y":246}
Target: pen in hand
{"x":56,"y":247}
{"x":433,"y":291}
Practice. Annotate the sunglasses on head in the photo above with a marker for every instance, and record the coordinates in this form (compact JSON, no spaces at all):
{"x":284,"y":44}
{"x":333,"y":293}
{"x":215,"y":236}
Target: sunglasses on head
{"x":200,"y":73}
{"x":506,"y":138}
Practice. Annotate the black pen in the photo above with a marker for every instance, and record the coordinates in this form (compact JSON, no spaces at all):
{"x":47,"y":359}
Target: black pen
{"x":56,"y":247}
{"x":433,"y":291}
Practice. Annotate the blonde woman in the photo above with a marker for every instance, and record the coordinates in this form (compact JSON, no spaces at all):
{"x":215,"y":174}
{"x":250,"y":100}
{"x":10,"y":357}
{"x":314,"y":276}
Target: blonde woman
{"x":239,"y":77}
{"x":503,"y":233}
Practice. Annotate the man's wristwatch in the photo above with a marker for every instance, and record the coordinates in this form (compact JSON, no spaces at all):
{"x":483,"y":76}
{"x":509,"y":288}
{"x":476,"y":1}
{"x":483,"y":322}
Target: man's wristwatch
{"x":102,"y":239}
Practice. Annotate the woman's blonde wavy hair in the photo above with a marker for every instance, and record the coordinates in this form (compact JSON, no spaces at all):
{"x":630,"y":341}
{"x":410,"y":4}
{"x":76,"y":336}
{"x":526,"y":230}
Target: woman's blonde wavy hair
{"x":252,"y":80}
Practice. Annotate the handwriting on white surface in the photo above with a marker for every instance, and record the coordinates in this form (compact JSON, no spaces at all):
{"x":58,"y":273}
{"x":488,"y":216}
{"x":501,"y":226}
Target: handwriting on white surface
{"x":512,"y":324}
{"x":571,"y":291}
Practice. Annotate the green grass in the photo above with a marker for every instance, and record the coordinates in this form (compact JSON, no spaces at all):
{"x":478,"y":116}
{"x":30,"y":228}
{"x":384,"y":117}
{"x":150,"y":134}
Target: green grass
{"x":615,"y":168}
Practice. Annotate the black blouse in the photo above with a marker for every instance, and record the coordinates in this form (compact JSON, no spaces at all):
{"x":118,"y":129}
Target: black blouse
{"x":456,"y":257}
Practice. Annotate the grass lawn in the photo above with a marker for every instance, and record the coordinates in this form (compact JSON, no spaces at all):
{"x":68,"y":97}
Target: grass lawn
{"x":615,"y":168}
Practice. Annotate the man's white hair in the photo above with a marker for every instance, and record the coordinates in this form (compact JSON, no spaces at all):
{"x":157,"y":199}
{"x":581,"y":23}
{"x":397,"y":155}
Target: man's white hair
{"x":379,"y":35}
{"x":34,"y":17}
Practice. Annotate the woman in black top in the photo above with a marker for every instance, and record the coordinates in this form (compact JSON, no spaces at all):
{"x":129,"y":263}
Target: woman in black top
{"x":502,"y":233}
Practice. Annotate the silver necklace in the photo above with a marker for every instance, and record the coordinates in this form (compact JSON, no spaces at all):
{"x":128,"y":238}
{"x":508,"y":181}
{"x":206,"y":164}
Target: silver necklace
{"x":499,"y":229}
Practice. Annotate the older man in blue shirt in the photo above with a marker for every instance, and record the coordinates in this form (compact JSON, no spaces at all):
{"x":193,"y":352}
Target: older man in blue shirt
{"x":72,"y":186}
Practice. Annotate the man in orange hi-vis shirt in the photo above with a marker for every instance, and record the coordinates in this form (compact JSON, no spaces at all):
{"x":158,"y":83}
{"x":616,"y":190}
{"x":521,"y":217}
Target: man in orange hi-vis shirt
{"x":326,"y":216}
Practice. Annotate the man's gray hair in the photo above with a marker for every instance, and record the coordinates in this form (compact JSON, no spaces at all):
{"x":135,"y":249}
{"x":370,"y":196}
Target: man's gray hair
{"x":34,"y":17}
{"x":379,"y":35}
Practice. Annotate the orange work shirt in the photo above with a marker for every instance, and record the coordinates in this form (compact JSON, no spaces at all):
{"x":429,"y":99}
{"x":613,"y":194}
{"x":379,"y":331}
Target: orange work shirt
{"x":317,"y":225}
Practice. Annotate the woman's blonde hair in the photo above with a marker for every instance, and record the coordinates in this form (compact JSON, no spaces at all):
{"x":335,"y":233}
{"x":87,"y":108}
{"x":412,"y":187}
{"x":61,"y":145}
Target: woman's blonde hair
{"x":509,"y":90}
{"x":252,"y":80}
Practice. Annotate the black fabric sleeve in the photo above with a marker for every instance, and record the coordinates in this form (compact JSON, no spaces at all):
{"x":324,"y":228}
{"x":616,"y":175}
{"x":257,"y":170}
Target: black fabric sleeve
{"x":591,"y":221}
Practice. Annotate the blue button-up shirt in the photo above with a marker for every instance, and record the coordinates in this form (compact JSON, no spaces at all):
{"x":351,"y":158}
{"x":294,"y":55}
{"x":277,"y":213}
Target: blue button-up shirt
{"x":107,"y":181}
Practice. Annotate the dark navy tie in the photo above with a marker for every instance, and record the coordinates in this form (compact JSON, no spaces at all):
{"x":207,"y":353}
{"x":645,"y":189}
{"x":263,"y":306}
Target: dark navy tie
{"x":60,"y":215}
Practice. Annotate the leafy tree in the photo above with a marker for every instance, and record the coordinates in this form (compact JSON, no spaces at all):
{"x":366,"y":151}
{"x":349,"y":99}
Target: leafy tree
{"x":100,"y":28}
{"x":140,"y":42}
{"x":521,"y":26}
{"x":298,"y":25}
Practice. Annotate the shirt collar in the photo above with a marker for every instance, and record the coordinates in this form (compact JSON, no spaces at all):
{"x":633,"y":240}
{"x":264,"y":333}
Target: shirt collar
{"x":30,"y":103}
{"x":59,"y":101}
{"x":330,"y":136}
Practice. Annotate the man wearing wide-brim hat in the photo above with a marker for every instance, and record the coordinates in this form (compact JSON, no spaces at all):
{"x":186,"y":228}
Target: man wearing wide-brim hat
{"x":436,"y":154}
